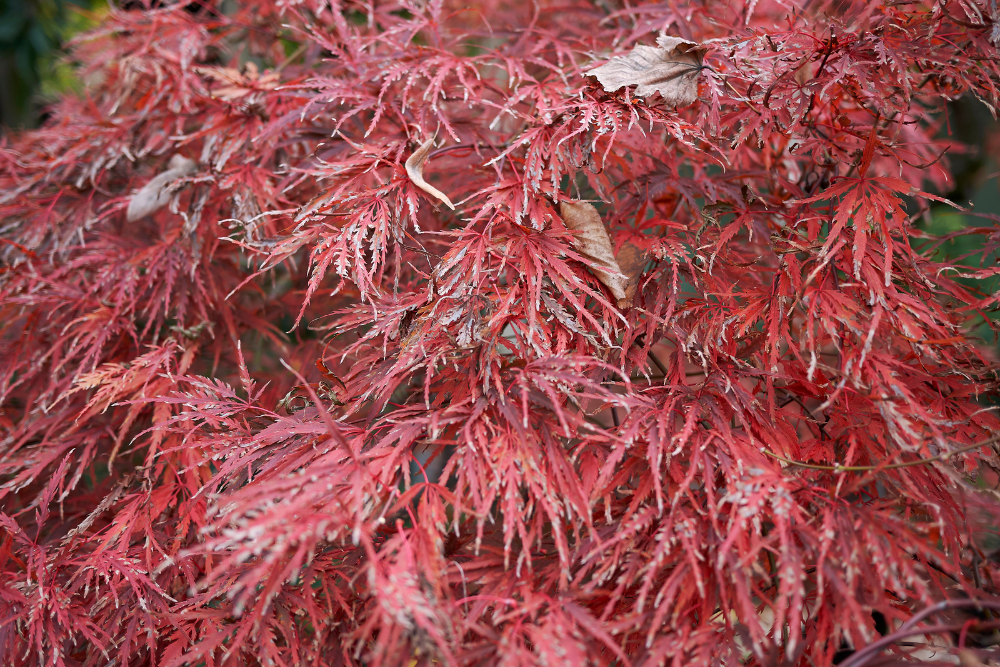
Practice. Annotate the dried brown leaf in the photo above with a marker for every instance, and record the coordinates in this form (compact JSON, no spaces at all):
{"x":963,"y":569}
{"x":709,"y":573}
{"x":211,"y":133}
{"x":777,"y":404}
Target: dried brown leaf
{"x":671,"y":69}
{"x":415,"y":170}
{"x":967,"y":658}
{"x":593,"y":242}
{"x":154,"y":195}
{"x":631,"y":261}
{"x":237,"y":85}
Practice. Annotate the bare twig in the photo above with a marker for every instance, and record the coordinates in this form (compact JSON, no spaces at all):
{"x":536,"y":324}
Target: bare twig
{"x":909,"y":629}
{"x":892,"y":466}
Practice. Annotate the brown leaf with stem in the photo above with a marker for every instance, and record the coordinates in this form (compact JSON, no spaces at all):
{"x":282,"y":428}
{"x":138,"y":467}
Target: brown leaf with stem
{"x":415,"y":170}
{"x":593,"y":242}
{"x":671,"y":68}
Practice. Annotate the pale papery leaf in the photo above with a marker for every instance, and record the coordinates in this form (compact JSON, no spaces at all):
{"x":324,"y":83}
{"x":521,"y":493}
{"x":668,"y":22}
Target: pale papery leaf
{"x":156,"y":193}
{"x":238,"y":85}
{"x":415,"y":170}
{"x":246,"y":212}
{"x":671,"y":69}
{"x":592,"y":241}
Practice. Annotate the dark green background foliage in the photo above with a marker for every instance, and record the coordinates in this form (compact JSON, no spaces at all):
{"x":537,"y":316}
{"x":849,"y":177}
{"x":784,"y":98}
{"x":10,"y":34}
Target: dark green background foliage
{"x":31,"y":35}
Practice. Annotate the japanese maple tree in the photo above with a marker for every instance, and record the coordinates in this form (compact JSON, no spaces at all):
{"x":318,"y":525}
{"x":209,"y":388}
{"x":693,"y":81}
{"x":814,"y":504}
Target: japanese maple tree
{"x":598,"y":332}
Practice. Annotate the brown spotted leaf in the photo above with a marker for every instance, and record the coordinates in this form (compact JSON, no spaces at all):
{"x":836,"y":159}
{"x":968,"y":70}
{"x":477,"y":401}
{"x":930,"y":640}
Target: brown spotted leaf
{"x":415,"y":170}
{"x":154,"y":195}
{"x":671,"y":68}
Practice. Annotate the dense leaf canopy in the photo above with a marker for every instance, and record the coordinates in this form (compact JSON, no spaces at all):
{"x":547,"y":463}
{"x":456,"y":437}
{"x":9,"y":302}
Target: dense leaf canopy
{"x":379,"y":332}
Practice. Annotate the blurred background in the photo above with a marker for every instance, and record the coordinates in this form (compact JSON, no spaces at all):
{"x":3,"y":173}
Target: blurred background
{"x":34,"y":67}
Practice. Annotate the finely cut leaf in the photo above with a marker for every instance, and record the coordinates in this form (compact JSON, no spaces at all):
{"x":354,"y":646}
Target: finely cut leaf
{"x":306,"y":421}
{"x":415,"y":170}
{"x":154,"y":195}
{"x":671,"y":69}
{"x":246,"y":212}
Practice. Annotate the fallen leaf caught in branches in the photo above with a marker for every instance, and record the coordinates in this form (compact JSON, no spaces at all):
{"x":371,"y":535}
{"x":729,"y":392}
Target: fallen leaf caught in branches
{"x":671,"y":69}
{"x":154,"y":195}
{"x":594,"y":243}
{"x":415,"y":170}
{"x":237,"y":85}
{"x":631,"y":260}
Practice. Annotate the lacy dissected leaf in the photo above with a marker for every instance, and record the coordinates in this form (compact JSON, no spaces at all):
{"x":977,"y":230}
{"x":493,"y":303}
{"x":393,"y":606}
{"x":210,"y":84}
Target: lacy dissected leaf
{"x":671,"y":69}
{"x":415,"y":170}
{"x":305,"y":420}
{"x":246,"y":212}
{"x":154,"y":195}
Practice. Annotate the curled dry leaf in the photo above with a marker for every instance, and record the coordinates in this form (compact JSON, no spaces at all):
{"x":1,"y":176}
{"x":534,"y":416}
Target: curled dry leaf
{"x":593,"y":242}
{"x":154,"y":195}
{"x":671,"y":68}
{"x":415,"y":170}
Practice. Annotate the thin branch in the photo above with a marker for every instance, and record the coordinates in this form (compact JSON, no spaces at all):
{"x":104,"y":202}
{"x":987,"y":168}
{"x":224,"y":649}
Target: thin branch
{"x":892,"y":466}
{"x":908,"y":629}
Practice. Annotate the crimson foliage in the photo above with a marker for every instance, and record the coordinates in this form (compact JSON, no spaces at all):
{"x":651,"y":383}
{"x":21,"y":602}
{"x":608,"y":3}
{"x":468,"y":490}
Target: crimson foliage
{"x":268,"y":400}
